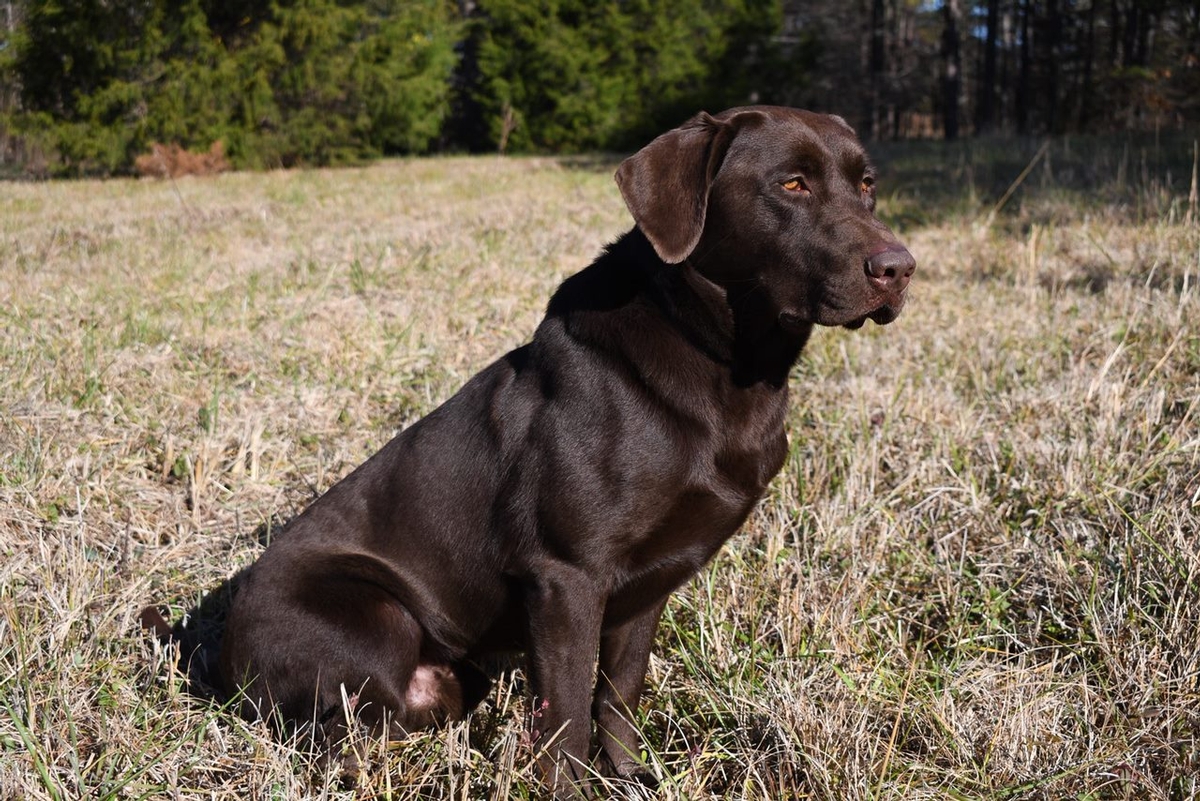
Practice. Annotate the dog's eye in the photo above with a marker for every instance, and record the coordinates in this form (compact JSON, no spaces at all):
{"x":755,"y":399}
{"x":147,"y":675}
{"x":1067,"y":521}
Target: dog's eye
{"x":796,"y":185}
{"x":868,"y":184}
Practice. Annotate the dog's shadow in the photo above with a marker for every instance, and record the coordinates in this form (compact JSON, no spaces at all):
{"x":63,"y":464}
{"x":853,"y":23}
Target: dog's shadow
{"x":198,"y":636}
{"x":198,"y":633}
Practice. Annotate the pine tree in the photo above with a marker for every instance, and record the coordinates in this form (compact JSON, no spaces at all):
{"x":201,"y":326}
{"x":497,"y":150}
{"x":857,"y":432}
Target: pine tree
{"x":306,"y":81}
{"x":574,"y":75}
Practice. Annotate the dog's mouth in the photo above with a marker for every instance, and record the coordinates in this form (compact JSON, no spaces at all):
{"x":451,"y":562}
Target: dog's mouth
{"x":881,"y":316}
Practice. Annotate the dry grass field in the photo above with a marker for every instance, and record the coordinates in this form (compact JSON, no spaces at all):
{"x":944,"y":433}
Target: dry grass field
{"x":978,"y":575}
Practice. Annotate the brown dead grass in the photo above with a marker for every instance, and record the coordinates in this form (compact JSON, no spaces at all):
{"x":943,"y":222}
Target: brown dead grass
{"x":976,"y":577}
{"x":172,"y":161}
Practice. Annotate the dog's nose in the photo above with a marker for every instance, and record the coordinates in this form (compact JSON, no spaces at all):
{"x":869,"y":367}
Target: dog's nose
{"x":890,"y":268}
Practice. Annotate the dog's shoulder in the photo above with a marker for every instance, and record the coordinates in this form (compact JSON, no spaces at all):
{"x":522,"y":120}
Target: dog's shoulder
{"x":619,"y":277}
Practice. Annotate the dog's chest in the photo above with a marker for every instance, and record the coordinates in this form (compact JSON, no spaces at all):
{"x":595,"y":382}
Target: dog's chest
{"x":692,"y":528}
{"x":696,"y":516}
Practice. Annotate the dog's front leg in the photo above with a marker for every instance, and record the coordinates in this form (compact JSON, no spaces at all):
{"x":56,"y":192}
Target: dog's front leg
{"x":565,"y":606}
{"x":624,"y":656}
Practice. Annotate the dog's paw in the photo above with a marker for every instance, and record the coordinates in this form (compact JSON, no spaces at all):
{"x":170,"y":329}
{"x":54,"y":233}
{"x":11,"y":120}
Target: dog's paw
{"x":633,"y":771}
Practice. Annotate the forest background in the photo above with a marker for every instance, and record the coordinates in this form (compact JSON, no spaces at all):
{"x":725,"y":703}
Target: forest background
{"x":88,"y":85}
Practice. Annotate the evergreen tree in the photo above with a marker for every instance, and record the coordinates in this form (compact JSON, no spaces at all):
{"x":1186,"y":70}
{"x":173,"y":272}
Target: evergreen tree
{"x":82,"y":68}
{"x":308,"y":81}
{"x":542,"y":74}
{"x":574,"y":75}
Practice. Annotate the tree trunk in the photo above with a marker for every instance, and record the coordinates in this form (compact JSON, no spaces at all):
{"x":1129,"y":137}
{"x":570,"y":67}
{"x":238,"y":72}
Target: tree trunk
{"x":1089,"y":55}
{"x":952,"y":67}
{"x":1023,"y":70}
{"x":985,"y":119}
{"x":1054,"y":35}
{"x":1146,"y":26}
{"x":874,"y":69}
{"x":1132,"y":23}
{"x":1114,"y":34}
{"x":1004,"y":92}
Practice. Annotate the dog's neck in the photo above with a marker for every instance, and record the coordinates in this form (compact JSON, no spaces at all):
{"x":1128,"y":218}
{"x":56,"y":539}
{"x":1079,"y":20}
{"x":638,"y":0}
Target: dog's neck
{"x":764,"y":351}
{"x":734,"y":323}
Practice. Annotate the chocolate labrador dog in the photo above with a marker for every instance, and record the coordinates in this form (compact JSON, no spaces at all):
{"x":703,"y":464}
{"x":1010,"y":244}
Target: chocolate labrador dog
{"x":558,"y":498}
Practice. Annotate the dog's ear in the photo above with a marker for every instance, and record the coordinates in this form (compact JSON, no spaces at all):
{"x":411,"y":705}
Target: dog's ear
{"x":666,"y":183}
{"x":840,"y":120}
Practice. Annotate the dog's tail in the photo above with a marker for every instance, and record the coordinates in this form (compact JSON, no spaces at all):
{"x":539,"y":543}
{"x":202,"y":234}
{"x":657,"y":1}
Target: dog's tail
{"x":197,"y":652}
{"x":153,"y":622}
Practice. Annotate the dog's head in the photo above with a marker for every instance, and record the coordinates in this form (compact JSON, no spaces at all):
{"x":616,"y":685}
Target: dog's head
{"x":777,"y":202}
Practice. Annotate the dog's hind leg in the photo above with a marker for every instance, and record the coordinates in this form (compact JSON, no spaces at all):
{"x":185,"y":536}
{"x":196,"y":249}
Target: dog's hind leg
{"x":376,"y":686}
